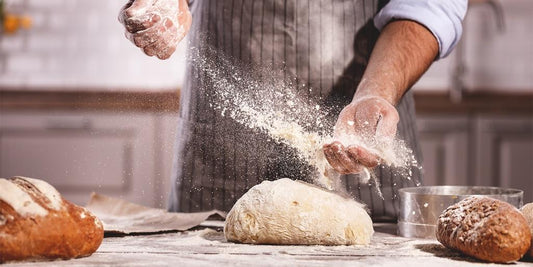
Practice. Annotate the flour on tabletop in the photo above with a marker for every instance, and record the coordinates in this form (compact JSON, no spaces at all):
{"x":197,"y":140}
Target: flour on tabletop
{"x":272,"y":105}
{"x":380,"y":242}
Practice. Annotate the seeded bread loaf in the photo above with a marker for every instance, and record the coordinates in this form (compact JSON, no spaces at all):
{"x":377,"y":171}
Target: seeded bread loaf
{"x":485,"y":228}
{"x":527,"y":210}
{"x":37,"y":223}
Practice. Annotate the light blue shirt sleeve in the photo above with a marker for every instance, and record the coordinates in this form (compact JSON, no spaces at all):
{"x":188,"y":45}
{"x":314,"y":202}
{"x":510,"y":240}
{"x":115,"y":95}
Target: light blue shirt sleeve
{"x":442,"y":17}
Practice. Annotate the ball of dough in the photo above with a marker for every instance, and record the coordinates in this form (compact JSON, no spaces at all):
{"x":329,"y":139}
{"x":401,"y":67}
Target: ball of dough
{"x":296,"y":213}
{"x":527,"y":210}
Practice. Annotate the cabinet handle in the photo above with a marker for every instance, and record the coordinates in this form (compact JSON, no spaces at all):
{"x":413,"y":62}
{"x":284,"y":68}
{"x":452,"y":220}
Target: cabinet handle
{"x":84,"y":124}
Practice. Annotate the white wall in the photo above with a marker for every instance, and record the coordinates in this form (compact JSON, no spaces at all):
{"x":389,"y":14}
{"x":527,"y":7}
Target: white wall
{"x":80,"y":43}
{"x":494,"y":60}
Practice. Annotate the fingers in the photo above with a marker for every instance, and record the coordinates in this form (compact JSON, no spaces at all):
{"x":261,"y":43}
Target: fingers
{"x":133,"y":13}
{"x":167,"y":40}
{"x":166,"y":52}
{"x":143,"y":22}
{"x":160,"y":40}
{"x":149,"y":50}
{"x":162,"y":49}
{"x":349,"y":160}
{"x":340,"y":159}
{"x":331,"y":152}
{"x":168,"y":45}
{"x":121,"y":14}
{"x":138,"y":7}
{"x":363,"y":156}
{"x":146,"y":37}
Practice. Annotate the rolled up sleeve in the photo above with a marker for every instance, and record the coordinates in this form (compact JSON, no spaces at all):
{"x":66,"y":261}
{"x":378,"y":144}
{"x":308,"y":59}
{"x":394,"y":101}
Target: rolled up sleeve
{"x":442,"y":17}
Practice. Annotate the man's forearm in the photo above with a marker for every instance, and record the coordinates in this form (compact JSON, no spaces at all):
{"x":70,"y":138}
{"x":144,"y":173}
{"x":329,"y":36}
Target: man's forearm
{"x":403,"y":52}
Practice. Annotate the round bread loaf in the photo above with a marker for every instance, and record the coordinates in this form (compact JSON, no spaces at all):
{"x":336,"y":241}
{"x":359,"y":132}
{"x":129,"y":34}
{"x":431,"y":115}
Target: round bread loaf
{"x":527,"y":210}
{"x":486,"y":229}
{"x":37,"y":223}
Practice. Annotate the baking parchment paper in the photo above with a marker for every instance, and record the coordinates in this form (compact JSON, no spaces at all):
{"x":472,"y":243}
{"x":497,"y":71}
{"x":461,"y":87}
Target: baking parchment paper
{"x":124,"y":218}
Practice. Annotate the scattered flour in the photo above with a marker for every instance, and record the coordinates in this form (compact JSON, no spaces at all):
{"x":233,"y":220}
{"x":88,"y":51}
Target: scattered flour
{"x":272,"y":105}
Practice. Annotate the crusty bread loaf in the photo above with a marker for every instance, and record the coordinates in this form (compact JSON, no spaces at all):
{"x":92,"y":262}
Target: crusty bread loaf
{"x":527,"y":210}
{"x":485,"y":228}
{"x":37,"y":223}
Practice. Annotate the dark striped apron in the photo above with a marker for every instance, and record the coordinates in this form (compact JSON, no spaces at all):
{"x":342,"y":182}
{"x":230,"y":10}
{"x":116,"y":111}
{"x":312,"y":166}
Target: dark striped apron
{"x":323,"y":45}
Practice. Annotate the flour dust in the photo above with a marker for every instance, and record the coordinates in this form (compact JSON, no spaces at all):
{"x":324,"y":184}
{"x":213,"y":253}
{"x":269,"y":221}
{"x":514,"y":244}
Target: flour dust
{"x":264,"y":100}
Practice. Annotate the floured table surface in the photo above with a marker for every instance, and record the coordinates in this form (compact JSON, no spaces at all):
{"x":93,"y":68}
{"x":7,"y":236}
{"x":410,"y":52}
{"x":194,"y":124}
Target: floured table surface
{"x":207,"y":247}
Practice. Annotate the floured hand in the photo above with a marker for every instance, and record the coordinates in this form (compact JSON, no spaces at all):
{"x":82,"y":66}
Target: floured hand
{"x":367,"y":120}
{"x":156,"y":26}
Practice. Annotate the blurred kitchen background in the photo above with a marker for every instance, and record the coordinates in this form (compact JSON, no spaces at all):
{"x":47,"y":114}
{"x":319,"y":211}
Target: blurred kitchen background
{"x":84,"y":109}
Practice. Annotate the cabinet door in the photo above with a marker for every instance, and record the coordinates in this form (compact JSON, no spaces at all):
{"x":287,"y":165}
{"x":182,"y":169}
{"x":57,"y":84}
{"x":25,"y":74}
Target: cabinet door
{"x":70,"y":160}
{"x":444,"y":143}
{"x":80,"y":153}
{"x":165,"y":137}
{"x":505,"y":153}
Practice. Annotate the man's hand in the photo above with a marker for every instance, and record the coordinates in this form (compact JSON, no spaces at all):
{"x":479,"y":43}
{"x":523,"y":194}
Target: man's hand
{"x":156,"y":26}
{"x":403,"y":52}
{"x":369,"y":119}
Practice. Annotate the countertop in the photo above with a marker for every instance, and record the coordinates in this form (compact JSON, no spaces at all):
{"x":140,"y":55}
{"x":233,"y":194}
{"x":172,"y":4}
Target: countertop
{"x":168,"y":101}
{"x":207,"y":247}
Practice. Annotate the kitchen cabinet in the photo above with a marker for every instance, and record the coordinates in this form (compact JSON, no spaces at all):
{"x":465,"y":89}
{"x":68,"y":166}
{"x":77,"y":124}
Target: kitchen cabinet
{"x":505,"y":153}
{"x":487,"y":150}
{"x":124,"y":155}
{"x":444,"y":143}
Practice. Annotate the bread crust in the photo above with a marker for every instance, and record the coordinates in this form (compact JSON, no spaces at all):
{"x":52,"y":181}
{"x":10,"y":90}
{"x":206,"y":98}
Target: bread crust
{"x":484,"y":228}
{"x":68,"y":232}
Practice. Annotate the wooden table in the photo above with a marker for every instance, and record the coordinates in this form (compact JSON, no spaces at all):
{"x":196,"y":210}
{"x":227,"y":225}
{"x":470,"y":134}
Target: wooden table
{"x":207,"y":247}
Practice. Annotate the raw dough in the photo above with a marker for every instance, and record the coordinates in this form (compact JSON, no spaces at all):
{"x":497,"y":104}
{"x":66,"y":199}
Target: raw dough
{"x":292,"y":212}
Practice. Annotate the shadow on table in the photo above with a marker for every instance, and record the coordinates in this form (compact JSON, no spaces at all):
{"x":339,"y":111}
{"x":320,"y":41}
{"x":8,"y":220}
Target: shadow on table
{"x":387,"y":228}
{"x":217,"y":235}
{"x":442,"y":252}
{"x":527,"y":258}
